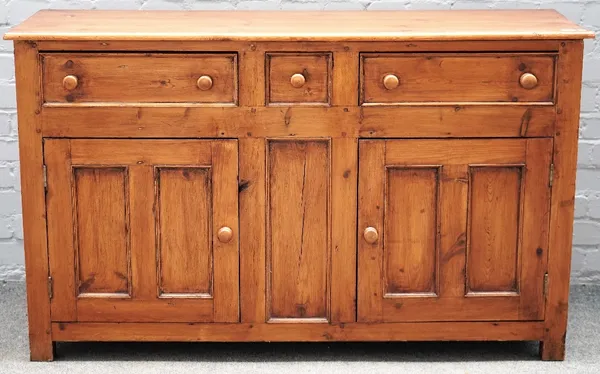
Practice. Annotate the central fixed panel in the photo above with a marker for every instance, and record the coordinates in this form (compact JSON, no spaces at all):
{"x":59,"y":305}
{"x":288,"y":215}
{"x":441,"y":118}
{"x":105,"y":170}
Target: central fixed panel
{"x":298,"y":231}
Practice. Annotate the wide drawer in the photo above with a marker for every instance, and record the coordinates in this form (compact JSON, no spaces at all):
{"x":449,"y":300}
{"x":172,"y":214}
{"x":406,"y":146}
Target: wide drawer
{"x":471,"y":77}
{"x":140,"y":78}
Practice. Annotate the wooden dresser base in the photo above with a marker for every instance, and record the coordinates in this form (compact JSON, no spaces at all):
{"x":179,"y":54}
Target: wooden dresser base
{"x":330,"y":176}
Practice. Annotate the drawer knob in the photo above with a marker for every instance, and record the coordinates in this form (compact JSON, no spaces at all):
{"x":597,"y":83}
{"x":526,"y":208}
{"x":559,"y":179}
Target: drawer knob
{"x":297,"y":80}
{"x":225,"y":234}
{"x":371,"y":235}
{"x":390,"y":82}
{"x":528,"y":81}
{"x":204,"y":83}
{"x":70,"y":82}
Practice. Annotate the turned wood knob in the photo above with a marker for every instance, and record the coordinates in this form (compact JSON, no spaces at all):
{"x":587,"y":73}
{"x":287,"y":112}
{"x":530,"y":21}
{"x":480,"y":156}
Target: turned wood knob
{"x":371,"y":235}
{"x":297,"y":80}
{"x":390,"y":82}
{"x":528,"y":81}
{"x":204,"y":83}
{"x":225,"y":234}
{"x":70,"y":82}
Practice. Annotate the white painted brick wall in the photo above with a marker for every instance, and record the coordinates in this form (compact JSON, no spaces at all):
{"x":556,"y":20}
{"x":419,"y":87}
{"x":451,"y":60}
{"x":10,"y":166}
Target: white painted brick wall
{"x":586,"y":256}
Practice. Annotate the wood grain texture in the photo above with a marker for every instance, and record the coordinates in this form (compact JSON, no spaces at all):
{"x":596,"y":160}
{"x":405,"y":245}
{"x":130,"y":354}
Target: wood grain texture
{"x":298,"y":262}
{"x":475,"y":331}
{"x":371,"y":202}
{"x":122,"y":208}
{"x":140,"y":78}
{"x":297,"y":26}
{"x":535,"y":228}
{"x":142,"y":211}
{"x":344,"y":177}
{"x":456,"y":77}
{"x":59,"y":208}
{"x":494,"y":236}
{"x":27,"y":67}
{"x":226,"y":256}
{"x":258,"y":48}
{"x":483,"y":246}
{"x":252,"y":195}
{"x":569,"y":70}
{"x":423,"y":121}
{"x":315,"y":69}
{"x":454,"y":191}
{"x":101,"y":230}
{"x":185,"y":246}
{"x":145,"y":169}
{"x":410,"y":244}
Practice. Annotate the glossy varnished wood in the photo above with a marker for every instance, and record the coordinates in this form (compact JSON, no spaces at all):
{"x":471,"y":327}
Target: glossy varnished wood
{"x":237,"y":174}
{"x":139,"y":252}
{"x":459,"y":78}
{"x":140,"y":78}
{"x":491,"y":269}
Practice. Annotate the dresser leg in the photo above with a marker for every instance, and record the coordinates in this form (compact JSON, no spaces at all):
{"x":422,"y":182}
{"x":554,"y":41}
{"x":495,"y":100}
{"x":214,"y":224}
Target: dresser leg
{"x":41,"y":350}
{"x":552,"y":350}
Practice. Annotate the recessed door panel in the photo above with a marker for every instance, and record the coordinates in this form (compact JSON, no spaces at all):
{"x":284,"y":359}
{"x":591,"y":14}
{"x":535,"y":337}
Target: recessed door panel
{"x":411,"y":230}
{"x":493,"y":243}
{"x":102,"y":239}
{"x":184,"y":231}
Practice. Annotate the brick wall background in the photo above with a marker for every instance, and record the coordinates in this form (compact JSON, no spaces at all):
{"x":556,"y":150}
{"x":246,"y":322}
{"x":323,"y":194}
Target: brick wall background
{"x":586,"y":241}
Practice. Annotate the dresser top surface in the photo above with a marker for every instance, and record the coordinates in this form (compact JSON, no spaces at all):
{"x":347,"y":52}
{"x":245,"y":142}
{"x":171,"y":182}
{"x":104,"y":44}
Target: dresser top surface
{"x":90,"y":25}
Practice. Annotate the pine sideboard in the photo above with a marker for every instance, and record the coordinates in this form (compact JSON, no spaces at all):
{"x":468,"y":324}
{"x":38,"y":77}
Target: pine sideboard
{"x":298,"y":176}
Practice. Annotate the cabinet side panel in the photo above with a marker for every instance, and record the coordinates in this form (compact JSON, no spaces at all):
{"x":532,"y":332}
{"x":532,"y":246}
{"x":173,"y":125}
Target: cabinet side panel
{"x":494,"y":222}
{"x":411,"y":230}
{"x":298,"y":228}
{"x":568,"y":93}
{"x":102,"y":230}
{"x":185,"y":252}
{"x":28,"y":77}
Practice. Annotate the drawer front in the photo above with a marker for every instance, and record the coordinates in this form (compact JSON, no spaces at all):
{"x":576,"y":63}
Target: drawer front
{"x":140,"y":78}
{"x":410,"y":78}
{"x":297,"y":78}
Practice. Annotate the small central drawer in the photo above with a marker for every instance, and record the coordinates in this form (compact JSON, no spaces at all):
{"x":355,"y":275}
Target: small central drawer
{"x":298,"y":78}
{"x":140,"y":78}
{"x":392,"y":78}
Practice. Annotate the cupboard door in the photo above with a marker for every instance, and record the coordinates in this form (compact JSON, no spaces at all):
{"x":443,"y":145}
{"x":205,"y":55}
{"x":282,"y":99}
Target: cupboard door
{"x":143,"y":230}
{"x":453,"y":230}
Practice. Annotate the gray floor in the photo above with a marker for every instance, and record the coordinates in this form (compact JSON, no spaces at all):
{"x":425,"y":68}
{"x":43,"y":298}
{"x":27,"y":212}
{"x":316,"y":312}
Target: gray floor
{"x":583,"y":351}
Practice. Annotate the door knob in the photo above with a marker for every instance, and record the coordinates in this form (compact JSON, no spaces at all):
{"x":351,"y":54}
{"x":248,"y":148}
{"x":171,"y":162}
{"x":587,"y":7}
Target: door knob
{"x":297,"y":80}
{"x":204,"y":83}
{"x":390,"y":82}
{"x":225,"y":234}
{"x":371,"y":235}
{"x":70,"y":82}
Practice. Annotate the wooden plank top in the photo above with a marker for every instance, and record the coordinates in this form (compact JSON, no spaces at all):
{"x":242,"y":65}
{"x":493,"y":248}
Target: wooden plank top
{"x":87,"y":25}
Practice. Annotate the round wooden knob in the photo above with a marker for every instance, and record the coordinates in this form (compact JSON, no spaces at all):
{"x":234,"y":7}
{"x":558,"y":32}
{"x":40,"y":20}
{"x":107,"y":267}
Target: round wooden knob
{"x":390,"y":82}
{"x":528,"y":81}
{"x":70,"y":82}
{"x":297,"y":80}
{"x":371,"y":235}
{"x":204,"y":83}
{"x":225,"y":234}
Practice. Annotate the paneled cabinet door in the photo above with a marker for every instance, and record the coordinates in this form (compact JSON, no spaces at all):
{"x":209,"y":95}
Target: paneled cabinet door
{"x":143,"y":230}
{"x":453,"y":230}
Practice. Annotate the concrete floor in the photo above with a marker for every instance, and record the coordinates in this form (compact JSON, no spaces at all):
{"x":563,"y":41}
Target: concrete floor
{"x":583,"y":351}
